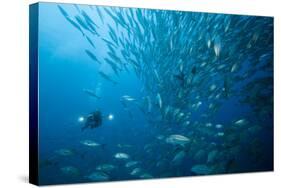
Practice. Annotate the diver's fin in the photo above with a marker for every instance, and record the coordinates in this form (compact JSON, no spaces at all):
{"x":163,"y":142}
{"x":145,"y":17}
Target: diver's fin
{"x":103,"y":146}
{"x":83,"y":128}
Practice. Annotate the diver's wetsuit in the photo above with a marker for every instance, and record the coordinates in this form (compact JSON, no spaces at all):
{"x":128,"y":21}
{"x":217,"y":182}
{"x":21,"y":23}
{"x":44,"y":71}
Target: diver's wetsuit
{"x":94,"y":120}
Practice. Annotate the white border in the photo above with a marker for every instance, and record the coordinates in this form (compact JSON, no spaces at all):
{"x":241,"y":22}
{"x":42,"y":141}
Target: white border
{"x":14,"y":90}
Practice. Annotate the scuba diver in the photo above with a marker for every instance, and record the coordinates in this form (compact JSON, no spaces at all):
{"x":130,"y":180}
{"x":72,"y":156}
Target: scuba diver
{"x":93,"y":120}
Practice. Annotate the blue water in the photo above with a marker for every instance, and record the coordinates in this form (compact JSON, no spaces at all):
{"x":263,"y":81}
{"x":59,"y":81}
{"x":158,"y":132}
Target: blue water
{"x":65,"y":71}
